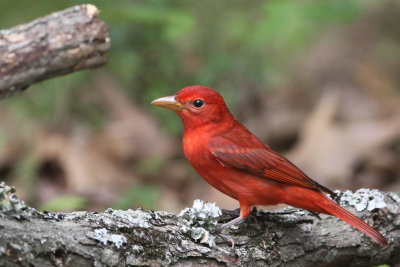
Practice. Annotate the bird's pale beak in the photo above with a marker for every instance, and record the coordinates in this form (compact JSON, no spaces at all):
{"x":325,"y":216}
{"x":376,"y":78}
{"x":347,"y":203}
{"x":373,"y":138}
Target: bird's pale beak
{"x":168,"y":102}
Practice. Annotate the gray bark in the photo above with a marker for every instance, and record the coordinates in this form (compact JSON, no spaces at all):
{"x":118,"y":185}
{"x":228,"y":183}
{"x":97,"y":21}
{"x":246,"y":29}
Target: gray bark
{"x":289,"y":237}
{"x":59,"y":43}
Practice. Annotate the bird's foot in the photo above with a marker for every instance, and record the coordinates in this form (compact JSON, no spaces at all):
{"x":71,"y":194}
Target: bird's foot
{"x":315,"y":214}
{"x":218,"y":232}
{"x":253,"y":219}
{"x":227,"y":225}
{"x":337,"y":197}
{"x":228,"y":238}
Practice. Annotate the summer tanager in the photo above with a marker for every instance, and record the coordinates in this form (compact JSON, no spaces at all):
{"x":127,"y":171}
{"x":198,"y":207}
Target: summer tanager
{"x":234,"y":161}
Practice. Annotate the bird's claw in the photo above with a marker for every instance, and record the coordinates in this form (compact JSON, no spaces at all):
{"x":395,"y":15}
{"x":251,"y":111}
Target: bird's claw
{"x":315,"y":214}
{"x":338,"y":197}
{"x":253,"y":218}
{"x":228,"y":238}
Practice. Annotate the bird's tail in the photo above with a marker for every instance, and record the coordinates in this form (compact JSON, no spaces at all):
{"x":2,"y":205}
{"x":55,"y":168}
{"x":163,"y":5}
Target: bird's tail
{"x":317,"y":201}
{"x":332,"y":208}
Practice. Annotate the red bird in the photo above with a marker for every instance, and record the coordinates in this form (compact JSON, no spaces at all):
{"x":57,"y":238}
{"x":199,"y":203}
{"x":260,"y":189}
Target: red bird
{"x":234,"y":161}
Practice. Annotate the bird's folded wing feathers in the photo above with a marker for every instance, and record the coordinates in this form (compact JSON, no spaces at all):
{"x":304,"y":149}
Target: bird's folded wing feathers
{"x":261,"y":161}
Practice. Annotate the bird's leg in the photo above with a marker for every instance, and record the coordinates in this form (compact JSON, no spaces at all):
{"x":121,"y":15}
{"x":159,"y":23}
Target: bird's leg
{"x":315,"y":214}
{"x":253,"y":216}
{"x":228,"y":238}
{"x":226,"y":225}
{"x":245,"y":211}
{"x":230,"y":223}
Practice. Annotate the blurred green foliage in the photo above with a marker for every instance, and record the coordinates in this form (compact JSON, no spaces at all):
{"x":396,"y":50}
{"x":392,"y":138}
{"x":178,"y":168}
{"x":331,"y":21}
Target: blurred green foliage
{"x":25,"y":171}
{"x":160,"y":46}
{"x":150,"y":165}
{"x":144,"y":196}
{"x":65,"y":203}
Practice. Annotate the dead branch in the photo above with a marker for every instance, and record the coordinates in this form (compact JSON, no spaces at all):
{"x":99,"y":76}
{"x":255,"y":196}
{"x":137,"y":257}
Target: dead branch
{"x":60,"y":43}
{"x":289,"y":237}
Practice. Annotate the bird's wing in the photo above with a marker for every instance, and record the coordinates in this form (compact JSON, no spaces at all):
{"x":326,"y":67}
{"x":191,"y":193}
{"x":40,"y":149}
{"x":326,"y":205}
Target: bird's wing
{"x":262,"y":161}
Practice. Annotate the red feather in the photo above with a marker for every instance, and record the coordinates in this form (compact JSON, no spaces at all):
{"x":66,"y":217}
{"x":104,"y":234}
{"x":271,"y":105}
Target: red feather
{"x":234,"y":161}
{"x":260,"y":160}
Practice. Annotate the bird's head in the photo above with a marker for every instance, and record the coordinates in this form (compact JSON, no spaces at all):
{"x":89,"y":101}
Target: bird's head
{"x":196,"y":106}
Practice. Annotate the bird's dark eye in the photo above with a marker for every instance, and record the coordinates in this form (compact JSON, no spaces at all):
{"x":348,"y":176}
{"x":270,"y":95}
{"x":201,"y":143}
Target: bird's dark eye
{"x":198,"y":103}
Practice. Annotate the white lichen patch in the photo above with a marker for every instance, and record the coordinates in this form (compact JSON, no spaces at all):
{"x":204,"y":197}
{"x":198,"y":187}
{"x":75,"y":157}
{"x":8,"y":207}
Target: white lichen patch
{"x":202,"y":212}
{"x":394,"y":206}
{"x":200,"y":220}
{"x":395,"y":197}
{"x":10,"y":203}
{"x":137,"y":249}
{"x":104,"y":237}
{"x":129,"y":218}
{"x":364,"y":199}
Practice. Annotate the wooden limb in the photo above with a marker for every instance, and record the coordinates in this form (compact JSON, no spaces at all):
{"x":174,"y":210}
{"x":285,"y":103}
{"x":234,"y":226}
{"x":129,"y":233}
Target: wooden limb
{"x":289,"y":237}
{"x":60,"y":43}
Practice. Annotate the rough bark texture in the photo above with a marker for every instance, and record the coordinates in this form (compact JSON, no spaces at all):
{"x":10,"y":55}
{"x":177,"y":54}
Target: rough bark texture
{"x":289,"y":237}
{"x":57,"y":44}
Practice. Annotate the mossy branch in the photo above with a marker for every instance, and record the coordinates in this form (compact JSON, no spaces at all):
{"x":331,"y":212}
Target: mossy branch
{"x":289,"y":237}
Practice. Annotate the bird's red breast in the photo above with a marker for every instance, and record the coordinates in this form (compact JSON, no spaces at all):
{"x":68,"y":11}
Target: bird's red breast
{"x":234,"y":161}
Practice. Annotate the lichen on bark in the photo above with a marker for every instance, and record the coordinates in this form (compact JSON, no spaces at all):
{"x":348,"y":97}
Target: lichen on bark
{"x":288,"y":237}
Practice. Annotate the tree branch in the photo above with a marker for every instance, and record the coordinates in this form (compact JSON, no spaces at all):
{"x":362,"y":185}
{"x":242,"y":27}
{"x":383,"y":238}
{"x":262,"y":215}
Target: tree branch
{"x":289,"y":237}
{"x":60,"y":43}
